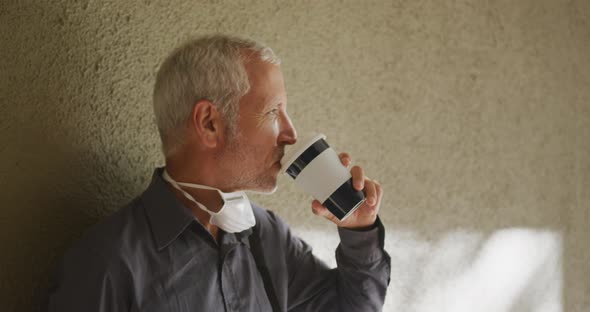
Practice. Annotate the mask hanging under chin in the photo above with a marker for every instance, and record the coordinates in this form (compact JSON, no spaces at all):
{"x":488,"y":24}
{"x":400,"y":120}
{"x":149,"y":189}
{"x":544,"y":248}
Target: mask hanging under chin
{"x":235,"y":215}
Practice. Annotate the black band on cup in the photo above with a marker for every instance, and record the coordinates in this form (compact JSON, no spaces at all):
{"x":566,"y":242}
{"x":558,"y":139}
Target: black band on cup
{"x":344,"y":200}
{"x":307,"y":157}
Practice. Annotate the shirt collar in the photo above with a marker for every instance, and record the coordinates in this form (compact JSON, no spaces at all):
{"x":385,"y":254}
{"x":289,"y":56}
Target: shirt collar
{"x":168,"y":217}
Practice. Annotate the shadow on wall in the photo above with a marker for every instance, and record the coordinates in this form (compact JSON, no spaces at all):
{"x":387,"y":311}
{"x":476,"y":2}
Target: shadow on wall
{"x":53,"y":183}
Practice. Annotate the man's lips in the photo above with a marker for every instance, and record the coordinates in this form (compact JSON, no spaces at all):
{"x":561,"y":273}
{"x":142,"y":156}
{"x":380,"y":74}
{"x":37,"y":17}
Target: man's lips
{"x":278,"y":162}
{"x":280,"y":157}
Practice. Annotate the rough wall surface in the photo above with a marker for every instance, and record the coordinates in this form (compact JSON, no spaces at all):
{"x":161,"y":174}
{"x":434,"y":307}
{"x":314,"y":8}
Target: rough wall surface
{"x":474,"y":115}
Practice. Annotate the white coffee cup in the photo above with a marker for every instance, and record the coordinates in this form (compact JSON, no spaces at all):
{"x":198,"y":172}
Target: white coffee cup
{"x":318,"y":171}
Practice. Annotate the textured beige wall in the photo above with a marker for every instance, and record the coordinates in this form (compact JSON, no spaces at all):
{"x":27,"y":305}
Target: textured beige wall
{"x":474,"y":115}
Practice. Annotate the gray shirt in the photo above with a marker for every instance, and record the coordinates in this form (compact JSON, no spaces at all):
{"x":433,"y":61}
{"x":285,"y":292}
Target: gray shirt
{"x":153,"y":255}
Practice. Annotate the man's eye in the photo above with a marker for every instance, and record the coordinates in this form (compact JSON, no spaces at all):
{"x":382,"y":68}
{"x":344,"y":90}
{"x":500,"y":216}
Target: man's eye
{"x":274,"y":111}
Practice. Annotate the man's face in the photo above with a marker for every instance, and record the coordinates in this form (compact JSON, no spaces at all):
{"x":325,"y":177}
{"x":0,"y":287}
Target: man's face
{"x":252,"y":157}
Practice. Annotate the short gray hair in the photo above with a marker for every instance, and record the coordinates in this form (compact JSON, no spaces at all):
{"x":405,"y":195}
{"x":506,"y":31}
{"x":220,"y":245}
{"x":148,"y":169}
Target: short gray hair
{"x":211,"y":68}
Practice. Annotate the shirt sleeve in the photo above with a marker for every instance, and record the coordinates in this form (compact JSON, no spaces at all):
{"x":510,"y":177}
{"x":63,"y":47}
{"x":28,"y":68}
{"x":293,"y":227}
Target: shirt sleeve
{"x":89,"y":282}
{"x":359,"y":282}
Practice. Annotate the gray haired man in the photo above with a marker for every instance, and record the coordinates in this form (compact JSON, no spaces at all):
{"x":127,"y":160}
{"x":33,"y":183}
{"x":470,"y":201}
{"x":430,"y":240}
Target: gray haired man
{"x":193,"y":241}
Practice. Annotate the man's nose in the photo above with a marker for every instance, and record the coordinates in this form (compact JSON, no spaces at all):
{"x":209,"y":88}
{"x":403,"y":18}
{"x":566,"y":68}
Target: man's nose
{"x":288,"y":134}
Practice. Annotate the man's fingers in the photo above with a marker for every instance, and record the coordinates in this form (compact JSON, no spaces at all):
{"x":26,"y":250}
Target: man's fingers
{"x":378,"y":189}
{"x":345,"y":159}
{"x":371,"y":193}
{"x":358,"y":177}
{"x":318,"y":209}
{"x":315,"y":207}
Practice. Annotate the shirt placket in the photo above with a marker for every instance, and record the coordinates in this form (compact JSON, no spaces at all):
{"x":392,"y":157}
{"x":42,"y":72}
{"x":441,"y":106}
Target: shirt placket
{"x":231,"y":296}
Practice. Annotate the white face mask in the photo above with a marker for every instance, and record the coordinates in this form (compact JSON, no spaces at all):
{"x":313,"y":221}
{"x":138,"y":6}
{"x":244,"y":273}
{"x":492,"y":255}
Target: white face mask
{"x":235,"y":215}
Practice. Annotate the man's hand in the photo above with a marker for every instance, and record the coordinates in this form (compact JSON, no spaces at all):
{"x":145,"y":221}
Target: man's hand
{"x":366,"y":214}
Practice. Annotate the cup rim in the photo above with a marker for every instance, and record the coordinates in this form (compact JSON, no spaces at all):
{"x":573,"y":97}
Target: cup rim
{"x":294,"y":152}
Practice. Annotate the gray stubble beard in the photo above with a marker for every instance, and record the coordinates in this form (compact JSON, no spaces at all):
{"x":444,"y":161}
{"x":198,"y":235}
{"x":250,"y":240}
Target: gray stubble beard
{"x":233,"y":154}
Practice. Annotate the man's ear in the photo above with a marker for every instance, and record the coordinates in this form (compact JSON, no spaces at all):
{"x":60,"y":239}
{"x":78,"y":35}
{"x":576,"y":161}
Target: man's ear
{"x":206,"y":123}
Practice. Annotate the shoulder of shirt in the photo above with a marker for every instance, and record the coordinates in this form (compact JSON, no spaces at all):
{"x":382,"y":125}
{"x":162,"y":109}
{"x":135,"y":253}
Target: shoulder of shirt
{"x":268,"y":221}
{"x":275,"y":233}
{"x":113,"y":238}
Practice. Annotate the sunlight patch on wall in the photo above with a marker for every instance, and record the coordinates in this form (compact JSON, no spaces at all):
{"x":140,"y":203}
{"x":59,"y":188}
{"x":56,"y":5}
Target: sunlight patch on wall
{"x":515,"y":269}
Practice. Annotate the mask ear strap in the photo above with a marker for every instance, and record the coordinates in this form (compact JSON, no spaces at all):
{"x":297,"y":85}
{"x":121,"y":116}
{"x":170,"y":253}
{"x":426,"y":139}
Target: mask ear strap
{"x":198,"y":186}
{"x":175,"y":184}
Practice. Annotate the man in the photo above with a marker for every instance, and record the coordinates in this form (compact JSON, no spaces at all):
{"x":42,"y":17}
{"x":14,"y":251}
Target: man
{"x":192,"y":241}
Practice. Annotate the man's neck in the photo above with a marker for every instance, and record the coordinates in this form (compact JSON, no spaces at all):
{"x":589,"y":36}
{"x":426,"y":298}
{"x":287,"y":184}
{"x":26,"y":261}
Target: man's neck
{"x":202,"y":216}
{"x":208,"y":198}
